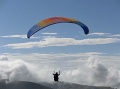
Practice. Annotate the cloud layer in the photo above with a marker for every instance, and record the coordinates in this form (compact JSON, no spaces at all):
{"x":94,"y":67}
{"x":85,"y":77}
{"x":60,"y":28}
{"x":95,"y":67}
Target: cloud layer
{"x":97,"y":38}
{"x":92,"y":72}
{"x":16,"y":36}
{"x":53,"y":41}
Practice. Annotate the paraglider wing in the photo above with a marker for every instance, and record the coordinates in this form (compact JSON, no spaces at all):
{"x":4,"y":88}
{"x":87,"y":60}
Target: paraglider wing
{"x":54,"y":20}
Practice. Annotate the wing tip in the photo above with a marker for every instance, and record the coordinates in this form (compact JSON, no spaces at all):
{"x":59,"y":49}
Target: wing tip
{"x":28,"y":36}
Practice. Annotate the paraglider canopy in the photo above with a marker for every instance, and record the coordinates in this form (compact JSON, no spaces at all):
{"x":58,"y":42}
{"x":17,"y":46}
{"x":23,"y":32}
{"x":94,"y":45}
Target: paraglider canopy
{"x":54,"y":20}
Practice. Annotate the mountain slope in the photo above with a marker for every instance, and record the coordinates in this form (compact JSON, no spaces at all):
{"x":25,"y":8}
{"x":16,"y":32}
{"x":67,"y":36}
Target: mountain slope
{"x":44,"y":85}
{"x":21,"y":85}
{"x":64,"y":85}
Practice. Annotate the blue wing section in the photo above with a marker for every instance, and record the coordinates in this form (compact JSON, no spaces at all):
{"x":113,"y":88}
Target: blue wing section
{"x":33,"y":30}
{"x":84,"y":27}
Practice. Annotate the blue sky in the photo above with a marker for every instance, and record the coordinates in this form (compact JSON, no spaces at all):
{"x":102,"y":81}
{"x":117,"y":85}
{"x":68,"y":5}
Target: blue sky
{"x":17,"y":17}
{"x":62,"y":46}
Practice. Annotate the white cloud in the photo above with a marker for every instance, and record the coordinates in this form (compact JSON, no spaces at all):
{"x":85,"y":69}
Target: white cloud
{"x":22,"y":45}
{"x":46,"y":33}
{"x":17,"y":36}
{"x":3,"y":58}
{"x":52,"y":41}
{"x":99,"y":34}
{"x":53,"y":59}
{"x":61,"y":56}
{"x":116,"y":35}
{"x":91,"y":71}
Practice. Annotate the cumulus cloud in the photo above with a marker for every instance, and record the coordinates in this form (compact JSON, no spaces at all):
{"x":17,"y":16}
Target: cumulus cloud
{"x":100,"y":72}
{"x":3,"y":58}
{"x":53,"y":41}
{"x":93,"y":72}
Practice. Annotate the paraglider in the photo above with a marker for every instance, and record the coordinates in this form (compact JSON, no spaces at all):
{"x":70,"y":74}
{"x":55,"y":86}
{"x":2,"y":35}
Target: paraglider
{"x":54,"y":20}
{"x":56,"y":78}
